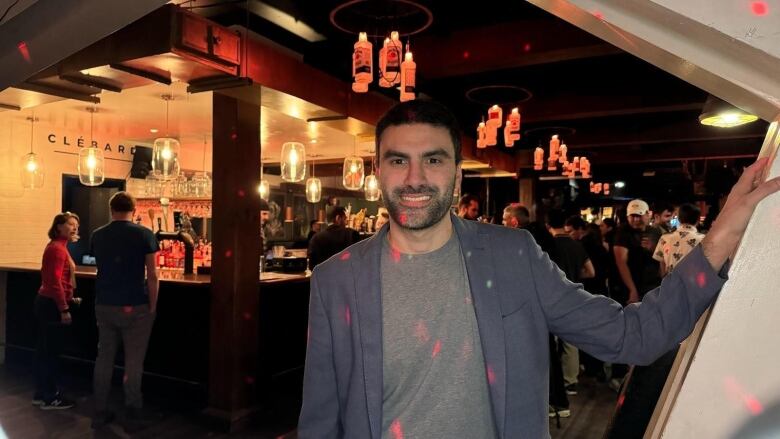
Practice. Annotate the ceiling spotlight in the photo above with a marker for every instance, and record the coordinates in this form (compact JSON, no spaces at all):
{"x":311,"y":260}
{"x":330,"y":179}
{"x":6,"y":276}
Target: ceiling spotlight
{"x":620,"y":184}
{"x":153,"y":130}
{"x":719,"y":113}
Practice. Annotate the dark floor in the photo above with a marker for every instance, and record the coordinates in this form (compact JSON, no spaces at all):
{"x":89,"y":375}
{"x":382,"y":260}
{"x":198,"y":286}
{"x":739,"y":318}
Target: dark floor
{"x":591,"y":409}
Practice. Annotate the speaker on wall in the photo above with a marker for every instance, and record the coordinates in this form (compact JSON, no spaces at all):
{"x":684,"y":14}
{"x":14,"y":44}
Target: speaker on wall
{"x":142,"y":162}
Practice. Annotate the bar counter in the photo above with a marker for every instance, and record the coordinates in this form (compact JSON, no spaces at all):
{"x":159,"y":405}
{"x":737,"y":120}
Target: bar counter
{"x":178,"y":352}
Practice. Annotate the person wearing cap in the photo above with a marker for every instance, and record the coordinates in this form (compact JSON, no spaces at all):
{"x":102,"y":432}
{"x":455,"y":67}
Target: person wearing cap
{"x":633,"y":257}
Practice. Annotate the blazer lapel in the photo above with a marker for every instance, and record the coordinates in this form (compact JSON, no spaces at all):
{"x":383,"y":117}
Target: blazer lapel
{"x":479,"y":267}
{"x":368,"y":298}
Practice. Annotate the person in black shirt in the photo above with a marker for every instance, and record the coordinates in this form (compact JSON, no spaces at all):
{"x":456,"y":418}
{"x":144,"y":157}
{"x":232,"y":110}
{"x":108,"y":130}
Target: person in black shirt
{"x":125,"y":304}
{"x":517,"y":216}
{"x":590,"y":238}
{"x":335,"y":238}
{"x":314,"y":228}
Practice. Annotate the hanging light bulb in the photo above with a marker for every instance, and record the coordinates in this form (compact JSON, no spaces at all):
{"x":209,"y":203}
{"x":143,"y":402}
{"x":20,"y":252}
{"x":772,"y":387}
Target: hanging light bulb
{"x":91,"y":160}
{"x":165,"y":155}
{"x":372,"y":185}
{"x":293,"y":161}
{"x":32,"y":164}
{"x":201,"y":182}
{"x":263,"y":189}
{"x":353,"y":173}
{"x":313,"y":188}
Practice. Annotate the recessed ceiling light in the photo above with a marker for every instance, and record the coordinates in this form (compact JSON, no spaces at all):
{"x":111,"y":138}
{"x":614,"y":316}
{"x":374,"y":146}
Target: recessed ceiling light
{"x":620,"y":184}
{"x":313,"y":141}
{"x":153,"y":130}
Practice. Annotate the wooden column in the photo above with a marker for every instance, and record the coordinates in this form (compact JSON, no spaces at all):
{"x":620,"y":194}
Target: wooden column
{"x":527,"y":196}
{"x":235,"y":260}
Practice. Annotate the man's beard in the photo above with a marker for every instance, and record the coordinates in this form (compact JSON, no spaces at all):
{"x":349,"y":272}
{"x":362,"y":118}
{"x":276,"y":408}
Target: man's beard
{"x":423,"y":217}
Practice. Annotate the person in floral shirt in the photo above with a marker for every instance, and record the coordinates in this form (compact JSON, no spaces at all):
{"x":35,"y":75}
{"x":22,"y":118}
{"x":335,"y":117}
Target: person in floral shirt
{"x":672,"y":247}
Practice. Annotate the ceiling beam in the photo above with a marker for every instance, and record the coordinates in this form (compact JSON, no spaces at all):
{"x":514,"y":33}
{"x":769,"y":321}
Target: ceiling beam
{"x":679,"y":131}
{"x":504,"y":46}
{"x":717,"y":150}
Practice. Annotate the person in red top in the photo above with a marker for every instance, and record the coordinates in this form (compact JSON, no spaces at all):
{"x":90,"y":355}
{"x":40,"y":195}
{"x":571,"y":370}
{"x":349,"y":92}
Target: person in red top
{"x":52,"y":310}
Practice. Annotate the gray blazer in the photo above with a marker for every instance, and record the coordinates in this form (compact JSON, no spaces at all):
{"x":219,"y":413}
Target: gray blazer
{"x":519,"y":296}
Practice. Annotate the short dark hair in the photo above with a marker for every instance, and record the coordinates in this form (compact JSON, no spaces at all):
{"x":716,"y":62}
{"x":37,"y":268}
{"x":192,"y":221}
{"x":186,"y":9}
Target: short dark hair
{"x":519,"y":212}
{"x":312,"y":223}
{"x":556,"y":218}
{"x":423,"y":111}
{"x":689,"y":214}
{"x":609,"y":222}
{"x":122,"y":202}
{"x":61,"y":218}
{"x":336,"y":212}
{"x":467,"y":199}
{"x":576,"y":222}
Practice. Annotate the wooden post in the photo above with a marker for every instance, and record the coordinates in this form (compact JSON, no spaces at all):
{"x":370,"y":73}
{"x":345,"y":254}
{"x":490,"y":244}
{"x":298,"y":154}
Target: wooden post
{"x":236,"y":256}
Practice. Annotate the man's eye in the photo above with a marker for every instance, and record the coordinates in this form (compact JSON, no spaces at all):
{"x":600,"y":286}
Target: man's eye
{"x":434,"y":161}
{"x":397,"y":161}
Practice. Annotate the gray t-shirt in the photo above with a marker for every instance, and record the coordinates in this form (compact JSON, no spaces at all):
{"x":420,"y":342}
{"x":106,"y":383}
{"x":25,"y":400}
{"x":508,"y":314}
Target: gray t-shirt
{"x":435,"y":383}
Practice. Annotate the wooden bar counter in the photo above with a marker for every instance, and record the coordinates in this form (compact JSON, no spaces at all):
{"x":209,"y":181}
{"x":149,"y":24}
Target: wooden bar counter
{"x":178,"y":353}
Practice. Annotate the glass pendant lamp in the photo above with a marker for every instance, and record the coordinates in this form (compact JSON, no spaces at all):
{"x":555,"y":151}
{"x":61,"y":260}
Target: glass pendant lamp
{"x":91,"y":160}
{"x":165,"y":154}
{"x":293,"y":161}
{"x":32,"y":164}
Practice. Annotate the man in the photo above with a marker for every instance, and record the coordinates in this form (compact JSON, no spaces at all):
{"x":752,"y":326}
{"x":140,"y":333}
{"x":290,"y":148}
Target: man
{"x":517,"y":216}
{"x":662,"y":223}
{"x":468,"y":207}
{"x":571,"y":258}
{"x":314,"y":228}
{"x":674,"y":246}
{"x":437,"y":327}
{"x":335,"y":238}
{"x":637,"y":271}
{"x":125,"y":303}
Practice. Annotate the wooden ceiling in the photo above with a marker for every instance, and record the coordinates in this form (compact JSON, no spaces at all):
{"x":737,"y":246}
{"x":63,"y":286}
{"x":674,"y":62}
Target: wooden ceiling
{"x":617,"y":109}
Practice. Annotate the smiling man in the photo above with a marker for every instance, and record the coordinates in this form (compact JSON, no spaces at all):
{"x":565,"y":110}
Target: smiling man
{"x":436,"y":327}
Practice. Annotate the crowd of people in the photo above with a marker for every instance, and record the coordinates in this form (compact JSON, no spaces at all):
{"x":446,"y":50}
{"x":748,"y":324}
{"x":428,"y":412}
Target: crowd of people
{"x":623,"y":258}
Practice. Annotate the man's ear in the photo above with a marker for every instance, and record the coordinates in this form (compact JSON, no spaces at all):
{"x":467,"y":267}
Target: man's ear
{"x":458,"y":176}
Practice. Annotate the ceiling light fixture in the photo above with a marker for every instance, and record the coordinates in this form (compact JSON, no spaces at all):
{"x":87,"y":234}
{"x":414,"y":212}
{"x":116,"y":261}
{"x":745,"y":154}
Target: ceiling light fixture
{"x":719,"y":113}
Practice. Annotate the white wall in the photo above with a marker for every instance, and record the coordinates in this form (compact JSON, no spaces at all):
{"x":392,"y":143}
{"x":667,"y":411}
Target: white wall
{"x":25,"y":214}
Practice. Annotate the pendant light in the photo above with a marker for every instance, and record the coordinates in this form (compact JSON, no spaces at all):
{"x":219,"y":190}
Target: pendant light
{"x":293,"y":161}
{"x":91,"y":161}
{"x":353,"y":172}
{"x":263,"y":188}
{"x":313,"y":188}
{"x":372,"y":185}
{"x":32,"y":164}
{"x":201,"y":182}
{"x":165,"y":155}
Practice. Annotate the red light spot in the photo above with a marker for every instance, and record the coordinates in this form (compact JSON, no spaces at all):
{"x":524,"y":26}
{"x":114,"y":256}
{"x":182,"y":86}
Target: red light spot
{"x":124,"y":378}
{"x":228,"y":254}
{"x":23,"y":50}
{"x":241,"y":193}
{"x":466,"y":55}
{"x":701,"y":280}
{"x":127,"y":309}
{"x":621,"y":400}
{"x":527,"y":47}
{"x":348,"y":316}
{"x":396,"y":254}
{"x":344,"y":256}
{"x":233,"y":136}
{"x":249,"y":379}
{"x":598,"y":14}
{"x":396,"y":430}
{"x":247,"y":316}
{"x":436,"y":349}
{"x":759,"y":8}
{"x":491,"y":375}
{"x":402,"y":218}
{"x":421,"y":332}
{"x":753,"y":405}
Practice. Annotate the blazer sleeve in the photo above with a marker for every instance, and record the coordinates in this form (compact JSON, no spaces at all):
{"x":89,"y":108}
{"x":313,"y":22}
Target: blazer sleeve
{"x":319,"y":416}
{"x":638,"y":333}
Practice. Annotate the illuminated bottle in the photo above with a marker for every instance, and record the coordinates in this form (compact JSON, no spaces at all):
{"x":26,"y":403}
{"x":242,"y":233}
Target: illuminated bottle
{"x":408,"y":68}
{"x":362,"y":64}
